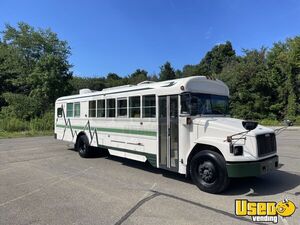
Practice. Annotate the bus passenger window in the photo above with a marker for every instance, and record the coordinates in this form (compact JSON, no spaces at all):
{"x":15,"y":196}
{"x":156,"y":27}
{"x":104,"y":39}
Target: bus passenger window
{"x":122,"y":107}
{"x":149,"y":107}
{"x":69,"y":109}
{"x":92,"y":108}
{"x":101,"y":108}
{"x":111,"y":108}
{"x":77,"y":109}
{"x":135,"y":107}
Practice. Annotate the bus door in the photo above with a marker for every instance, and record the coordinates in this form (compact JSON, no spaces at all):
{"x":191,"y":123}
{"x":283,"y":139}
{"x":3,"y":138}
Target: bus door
{"x":168,"y":132}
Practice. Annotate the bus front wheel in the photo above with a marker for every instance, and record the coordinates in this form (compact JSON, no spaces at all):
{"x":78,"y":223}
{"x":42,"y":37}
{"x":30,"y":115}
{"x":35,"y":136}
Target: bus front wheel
{"x":208,"y":171}
{"x":83,"y":147}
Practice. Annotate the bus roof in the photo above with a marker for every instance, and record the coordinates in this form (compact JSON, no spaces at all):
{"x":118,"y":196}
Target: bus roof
{"x":197,"y":84}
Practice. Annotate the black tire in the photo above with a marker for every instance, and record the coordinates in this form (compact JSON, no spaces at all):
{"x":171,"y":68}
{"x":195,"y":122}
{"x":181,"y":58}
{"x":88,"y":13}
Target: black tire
{"x":83,"y":147}
{"x":208,"y":171}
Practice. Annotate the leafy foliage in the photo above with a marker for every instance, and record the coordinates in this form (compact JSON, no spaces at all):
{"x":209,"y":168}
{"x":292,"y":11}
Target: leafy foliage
{"x":21,"y":106}
{"x":138,"y":76}
{"x":92,"y":83}
{"x":167,"y":72}
{"x":34,"y":63}
{"x":213,"y":62}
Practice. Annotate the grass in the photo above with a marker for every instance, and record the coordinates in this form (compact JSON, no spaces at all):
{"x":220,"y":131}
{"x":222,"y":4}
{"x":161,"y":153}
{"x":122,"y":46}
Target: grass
{"x":12,"y":127}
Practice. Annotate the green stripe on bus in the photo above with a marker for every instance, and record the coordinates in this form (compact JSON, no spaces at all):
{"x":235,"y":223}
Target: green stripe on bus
{"x":150,"y":157}
{"x":115,"y":130}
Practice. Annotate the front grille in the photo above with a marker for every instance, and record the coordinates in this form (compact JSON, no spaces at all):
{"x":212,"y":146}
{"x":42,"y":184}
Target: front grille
{"x":266,"y":144}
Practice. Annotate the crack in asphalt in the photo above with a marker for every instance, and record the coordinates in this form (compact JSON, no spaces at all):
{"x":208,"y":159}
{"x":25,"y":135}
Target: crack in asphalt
{"x":157,"y":193}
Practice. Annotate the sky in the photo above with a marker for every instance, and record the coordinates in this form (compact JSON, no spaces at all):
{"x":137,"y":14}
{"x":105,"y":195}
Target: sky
{"x":121,"y":36}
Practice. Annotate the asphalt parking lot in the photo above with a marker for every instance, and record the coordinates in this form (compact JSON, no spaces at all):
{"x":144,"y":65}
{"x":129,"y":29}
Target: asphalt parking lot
{"x":43,"y":181}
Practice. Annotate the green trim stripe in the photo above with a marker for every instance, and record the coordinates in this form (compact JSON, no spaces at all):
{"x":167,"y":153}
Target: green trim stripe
{"x":150,"y":157}
{"x":115,"y":130}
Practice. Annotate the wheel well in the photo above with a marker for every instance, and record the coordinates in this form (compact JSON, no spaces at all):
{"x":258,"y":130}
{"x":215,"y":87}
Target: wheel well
{"x":196,"y":149}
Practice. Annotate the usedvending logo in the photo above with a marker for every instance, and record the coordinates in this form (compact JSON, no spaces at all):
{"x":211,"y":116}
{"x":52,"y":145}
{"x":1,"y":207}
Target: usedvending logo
{"x":264,"y":211}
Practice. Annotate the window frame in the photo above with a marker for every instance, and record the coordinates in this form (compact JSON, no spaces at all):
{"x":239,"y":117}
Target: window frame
{"x":90,"y":110}
{"x":68,"y":110}
{"x":130,"y":108}
{"x":186,"y":104}
{"x":122,"y":108}
{"x":152,"y":106}
{"x":103,"y":109}
{"x":74,"y":114}
{"x":109,"y":108}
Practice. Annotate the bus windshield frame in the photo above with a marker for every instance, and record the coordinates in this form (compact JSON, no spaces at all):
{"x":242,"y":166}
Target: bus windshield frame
{"x":204,"y":104}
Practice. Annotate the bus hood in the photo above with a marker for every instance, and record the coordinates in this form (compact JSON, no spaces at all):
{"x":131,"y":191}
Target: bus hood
{"x":227,"y":125}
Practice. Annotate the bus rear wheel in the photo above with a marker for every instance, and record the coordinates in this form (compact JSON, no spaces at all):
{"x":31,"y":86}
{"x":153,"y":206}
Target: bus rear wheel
{"x":208,"y":171}
{"x":83,"y":147}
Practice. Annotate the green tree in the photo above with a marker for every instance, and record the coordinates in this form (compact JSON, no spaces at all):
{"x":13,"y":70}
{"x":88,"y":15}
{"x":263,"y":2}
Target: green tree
{"x":190,"y":70}
{"x":293,"y":82}
{"x":38,"y":64}
{"x":167,"y":72}
{"x":10,"y":69}
{"x":92,"y":83}
{"x":216,"y":59}
{"x":138,"y":76}
{"x":249,"y":85}
{"x":213,"y":62}
{"x":284,"y":64}
{"x":21,"y":106}
{"x":113,"y":79}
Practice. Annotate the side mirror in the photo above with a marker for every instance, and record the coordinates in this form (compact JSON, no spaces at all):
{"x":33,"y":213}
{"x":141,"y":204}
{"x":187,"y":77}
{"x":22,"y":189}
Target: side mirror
{"x":249,"y":125}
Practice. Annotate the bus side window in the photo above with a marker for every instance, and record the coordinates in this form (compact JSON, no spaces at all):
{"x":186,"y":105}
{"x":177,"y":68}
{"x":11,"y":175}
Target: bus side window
{"x":70,"y":110}
{"x":101,"y":108}
{"x":135,"y":107}
{"x":111,"y":107}
{"x":59,"y":112}
{"x":122,"y":107}
{"x":92,"y":108}
{"x":149,"y":106}
{"x":77,"y":109}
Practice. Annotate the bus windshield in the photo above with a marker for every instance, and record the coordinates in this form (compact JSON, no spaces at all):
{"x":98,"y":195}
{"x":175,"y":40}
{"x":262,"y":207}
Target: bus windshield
{"x":204,"y":104}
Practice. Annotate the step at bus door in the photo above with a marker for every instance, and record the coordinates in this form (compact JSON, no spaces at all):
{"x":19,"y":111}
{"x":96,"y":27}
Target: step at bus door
{"x":168,"y":132}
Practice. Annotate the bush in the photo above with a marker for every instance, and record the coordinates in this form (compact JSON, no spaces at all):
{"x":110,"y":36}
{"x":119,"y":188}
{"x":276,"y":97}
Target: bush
{"x":21,"y":106}
{"x":270,"y":122}
{"x":297,"y":121}
{"x":43,"y":124}
{"x":12,"y":124}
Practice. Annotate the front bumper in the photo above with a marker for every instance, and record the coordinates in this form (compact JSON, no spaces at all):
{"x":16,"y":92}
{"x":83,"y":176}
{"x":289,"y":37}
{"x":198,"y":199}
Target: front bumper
{"x":249,"y":169}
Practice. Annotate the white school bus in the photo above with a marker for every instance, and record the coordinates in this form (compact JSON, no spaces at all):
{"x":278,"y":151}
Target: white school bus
{"x":180,"y":125}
